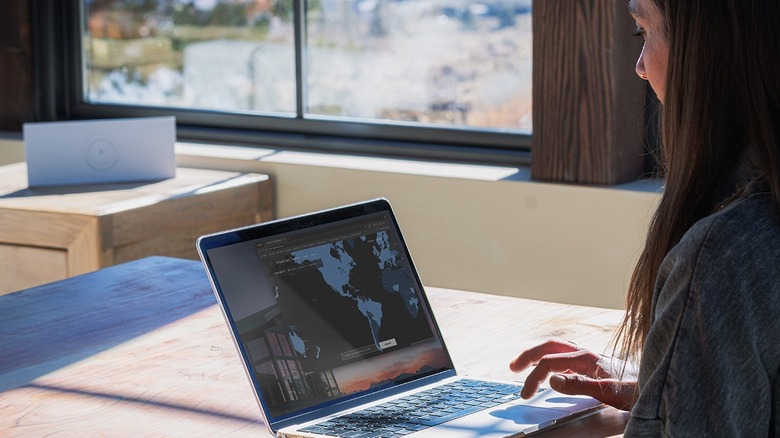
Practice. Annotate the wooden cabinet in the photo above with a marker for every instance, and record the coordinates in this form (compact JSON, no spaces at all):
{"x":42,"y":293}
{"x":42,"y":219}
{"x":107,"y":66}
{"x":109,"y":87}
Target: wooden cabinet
{"x":51,"y":233}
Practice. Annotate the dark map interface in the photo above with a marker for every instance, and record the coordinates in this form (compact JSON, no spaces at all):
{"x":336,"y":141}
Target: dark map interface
{"x":342,"y":315}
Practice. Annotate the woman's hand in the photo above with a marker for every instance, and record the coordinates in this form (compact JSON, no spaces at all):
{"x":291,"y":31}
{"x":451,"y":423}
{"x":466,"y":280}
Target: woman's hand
{"x":577,"y":371}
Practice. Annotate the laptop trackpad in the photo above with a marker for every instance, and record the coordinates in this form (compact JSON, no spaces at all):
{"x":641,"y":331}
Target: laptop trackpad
{"x":513,"y":418}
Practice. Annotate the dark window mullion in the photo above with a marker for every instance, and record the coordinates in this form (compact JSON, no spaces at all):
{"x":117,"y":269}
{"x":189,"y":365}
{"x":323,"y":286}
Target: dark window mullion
{"x":299,"y":26}
{"x":78,"y":78}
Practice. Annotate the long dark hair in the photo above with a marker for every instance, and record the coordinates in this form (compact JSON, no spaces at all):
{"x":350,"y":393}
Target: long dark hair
{"x":722,"y":94}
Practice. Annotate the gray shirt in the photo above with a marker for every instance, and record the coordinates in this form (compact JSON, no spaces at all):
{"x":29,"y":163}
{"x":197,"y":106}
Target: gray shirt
{"x":709,"y":367}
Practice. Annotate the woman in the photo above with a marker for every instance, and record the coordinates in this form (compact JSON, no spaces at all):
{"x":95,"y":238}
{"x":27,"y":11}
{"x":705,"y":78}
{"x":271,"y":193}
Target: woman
{"x":703,"y":306}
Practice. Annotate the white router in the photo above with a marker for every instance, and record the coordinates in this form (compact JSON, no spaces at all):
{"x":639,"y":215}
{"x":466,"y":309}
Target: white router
{"x":100,"y":151}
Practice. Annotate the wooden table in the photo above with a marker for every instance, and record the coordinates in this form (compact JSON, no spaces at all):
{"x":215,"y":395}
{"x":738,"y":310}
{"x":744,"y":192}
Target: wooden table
{"x":51,"y":233}
{"x":141,"y":349}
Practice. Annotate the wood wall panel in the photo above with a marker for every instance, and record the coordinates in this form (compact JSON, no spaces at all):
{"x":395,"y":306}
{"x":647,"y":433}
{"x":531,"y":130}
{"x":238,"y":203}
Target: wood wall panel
{"x":588,"y":102}
{"x":15,"y":65}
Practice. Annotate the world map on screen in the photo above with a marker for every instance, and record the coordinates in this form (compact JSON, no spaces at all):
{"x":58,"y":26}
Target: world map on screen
{"x":349,"y":299}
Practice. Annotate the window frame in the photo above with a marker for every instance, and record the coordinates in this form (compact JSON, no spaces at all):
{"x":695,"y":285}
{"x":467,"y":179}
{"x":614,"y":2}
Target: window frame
{"x":567,"y":140}
{"x":59,"y":90}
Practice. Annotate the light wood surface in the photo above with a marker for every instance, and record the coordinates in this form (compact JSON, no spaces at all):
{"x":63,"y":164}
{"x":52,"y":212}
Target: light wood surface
{"x":87,"y":227}
{"x":141,"y":349}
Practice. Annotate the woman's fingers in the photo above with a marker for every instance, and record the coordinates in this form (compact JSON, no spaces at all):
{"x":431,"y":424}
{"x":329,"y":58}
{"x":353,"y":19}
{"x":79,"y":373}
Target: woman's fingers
{"x":575,"y":371}
{"x":533,"y":355}
{"x":579,"y":362}
{"x":610,"y":391}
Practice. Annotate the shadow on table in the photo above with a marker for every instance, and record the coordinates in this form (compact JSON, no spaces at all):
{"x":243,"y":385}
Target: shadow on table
{"x":52,"y":326}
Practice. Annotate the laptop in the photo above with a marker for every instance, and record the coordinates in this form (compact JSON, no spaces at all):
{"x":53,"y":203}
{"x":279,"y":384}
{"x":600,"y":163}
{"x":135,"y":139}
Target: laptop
{"x":337,"y":337}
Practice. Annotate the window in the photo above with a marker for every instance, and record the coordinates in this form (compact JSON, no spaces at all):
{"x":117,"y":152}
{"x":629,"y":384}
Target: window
{"x":275,"y":345}
{"x":406,"y":77}
{"x":258,"y":350}
{"x":588,"y":124}
{"x":266,"y":368}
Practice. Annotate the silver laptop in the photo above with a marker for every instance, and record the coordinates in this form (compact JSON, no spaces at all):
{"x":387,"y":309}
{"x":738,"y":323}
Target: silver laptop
{"x":337,"y":338}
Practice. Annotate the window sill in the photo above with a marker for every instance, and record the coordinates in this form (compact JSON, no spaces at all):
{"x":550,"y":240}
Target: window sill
{"x":353,"y":162}
{"x":194,"y":152}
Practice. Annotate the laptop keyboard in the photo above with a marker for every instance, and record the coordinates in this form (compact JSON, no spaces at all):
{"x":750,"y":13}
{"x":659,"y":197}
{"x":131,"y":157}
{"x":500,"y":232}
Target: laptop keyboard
{"x":419,"y":411}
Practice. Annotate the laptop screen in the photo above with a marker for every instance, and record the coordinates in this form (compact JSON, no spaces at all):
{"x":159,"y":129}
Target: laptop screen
{"x":325,"y":309}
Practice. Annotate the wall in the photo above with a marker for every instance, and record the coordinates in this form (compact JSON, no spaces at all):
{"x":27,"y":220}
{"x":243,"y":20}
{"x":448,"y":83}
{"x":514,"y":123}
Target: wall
{"x":555,"y":242}
{"x":11,"y":149}
{"x":468,"y":227}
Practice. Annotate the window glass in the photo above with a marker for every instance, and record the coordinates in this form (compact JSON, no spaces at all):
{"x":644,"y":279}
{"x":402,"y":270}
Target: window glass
{"x":275,"y":347}
{"x":205,"y":54}
{"x":459,"y":63}
{"x":266,"y":368}
{"x":434,"y":62}
{"x":285,"y":342}
{"x":258,"y":349}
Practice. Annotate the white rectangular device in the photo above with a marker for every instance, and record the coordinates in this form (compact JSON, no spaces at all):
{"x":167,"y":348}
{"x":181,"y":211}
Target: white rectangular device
{"x":100,"y":151}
